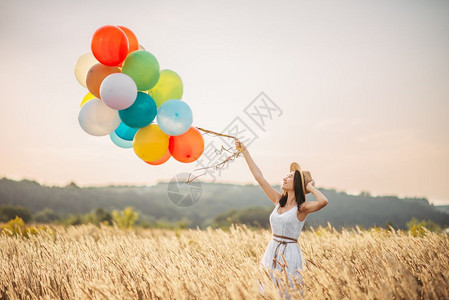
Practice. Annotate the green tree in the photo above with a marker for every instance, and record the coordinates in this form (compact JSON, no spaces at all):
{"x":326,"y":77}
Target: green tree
{"x":9,"y":212}
{"x":416,"y":226}
{"x":46,"y":215}
{"x":73,"y":220}
{"x":126,"y":218}
{"x":98,"y":216}
{"x":365,"y":194}
{"x":103,"y":216}
{"x":17,"y":227}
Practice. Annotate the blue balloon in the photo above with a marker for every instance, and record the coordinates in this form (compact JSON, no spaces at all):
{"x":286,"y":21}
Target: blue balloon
{"x":174,"y":117}
{"x":119,"y":141}
{"x":141,"y":113}
{"x":125,"y":132}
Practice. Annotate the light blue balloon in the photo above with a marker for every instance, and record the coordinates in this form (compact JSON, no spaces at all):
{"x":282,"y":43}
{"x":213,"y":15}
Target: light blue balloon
{"x":174,"y":117}
{"x":125,"y":132}
{"x":119,"y":141}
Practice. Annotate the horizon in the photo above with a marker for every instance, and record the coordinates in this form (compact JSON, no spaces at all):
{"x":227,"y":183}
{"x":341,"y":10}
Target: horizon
{"x":370,"y":194}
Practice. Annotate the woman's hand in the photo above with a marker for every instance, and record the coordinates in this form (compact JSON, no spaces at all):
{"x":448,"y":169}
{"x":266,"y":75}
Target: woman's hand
{"x":309,"y":186}
{"x":239,"y":145}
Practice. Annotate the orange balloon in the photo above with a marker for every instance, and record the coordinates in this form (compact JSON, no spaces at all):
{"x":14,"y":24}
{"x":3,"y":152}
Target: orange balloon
{"x":188,"y":146}
{"x":132,"y":39}
{"x":95,"y":77}
{"x":161,"y":160}
{"x":110,"y":45}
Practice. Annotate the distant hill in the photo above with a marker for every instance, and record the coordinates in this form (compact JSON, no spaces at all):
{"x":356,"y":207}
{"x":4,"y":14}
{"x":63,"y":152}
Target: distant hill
{"x":443,"y":208}
{"x":218,"y":201}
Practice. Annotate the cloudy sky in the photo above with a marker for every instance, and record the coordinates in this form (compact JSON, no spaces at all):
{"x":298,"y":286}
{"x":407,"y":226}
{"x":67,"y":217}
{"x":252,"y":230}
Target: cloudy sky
{"x":361,"y":87}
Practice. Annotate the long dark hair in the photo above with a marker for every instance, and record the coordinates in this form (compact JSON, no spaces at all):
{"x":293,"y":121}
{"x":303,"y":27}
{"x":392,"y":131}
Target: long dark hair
{"x":299,"y":193}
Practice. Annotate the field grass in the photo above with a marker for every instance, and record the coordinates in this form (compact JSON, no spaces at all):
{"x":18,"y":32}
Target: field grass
{"x":87,"y":262}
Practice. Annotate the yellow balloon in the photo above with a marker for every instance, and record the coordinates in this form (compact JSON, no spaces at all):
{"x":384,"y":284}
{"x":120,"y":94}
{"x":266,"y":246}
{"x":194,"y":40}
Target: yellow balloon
{"x":82,"y":65}
{"x":86,"y":98}
{"x":150,"y":143}
{"x":169,"y":86}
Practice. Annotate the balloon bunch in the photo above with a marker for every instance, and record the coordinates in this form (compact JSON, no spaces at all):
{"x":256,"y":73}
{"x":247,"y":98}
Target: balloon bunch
{"x":128,"y":92}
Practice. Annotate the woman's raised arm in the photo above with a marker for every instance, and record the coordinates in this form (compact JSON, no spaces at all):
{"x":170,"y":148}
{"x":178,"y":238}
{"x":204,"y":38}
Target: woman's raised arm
{"x":257,"y":173}
{"x":273,"y":194}
{"x":320,"y":202}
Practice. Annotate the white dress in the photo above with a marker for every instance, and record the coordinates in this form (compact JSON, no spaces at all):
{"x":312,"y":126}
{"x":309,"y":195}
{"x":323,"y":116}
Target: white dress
{"x":288,"y":225}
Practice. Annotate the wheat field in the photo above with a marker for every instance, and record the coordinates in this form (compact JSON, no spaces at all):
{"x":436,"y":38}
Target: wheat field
{"x":89,"y":262}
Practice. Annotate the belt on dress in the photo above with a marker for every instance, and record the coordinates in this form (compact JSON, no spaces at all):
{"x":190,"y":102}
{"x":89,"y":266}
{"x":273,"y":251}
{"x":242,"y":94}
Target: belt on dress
{"x":281,"y":243}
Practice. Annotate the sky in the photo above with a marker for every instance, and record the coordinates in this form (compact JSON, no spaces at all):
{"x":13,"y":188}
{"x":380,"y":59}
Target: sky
{"x":361,"y":90}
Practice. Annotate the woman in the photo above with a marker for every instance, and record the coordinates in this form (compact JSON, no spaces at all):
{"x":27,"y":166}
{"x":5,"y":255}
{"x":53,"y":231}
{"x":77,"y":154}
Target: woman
{"x":288,"y":216}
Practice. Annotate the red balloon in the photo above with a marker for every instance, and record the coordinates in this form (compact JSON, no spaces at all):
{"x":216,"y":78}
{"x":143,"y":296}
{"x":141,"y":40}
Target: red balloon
{"x":161,"y":160}
{"x":110,"y":45}
{"x":188,"y":146}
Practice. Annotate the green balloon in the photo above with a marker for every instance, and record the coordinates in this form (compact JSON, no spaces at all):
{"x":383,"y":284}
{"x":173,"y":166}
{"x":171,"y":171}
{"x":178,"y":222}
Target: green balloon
{"x":143,"y":68}
{"x":168,"y":87}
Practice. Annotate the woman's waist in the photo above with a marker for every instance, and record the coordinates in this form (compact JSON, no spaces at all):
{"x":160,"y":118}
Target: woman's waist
{"x":284,"y":238}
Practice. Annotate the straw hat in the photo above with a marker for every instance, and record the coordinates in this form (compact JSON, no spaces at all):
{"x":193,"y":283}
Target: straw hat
{"x":306,"y":177}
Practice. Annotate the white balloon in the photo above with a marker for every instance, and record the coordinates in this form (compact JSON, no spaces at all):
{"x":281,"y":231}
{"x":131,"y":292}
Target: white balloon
{"x":96,"y":118}
{"x":118,"y":91}
{"x":82,"y":66}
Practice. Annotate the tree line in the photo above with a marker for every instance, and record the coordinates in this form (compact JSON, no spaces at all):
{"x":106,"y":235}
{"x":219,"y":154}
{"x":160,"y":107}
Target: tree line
{"x":218,"y":206}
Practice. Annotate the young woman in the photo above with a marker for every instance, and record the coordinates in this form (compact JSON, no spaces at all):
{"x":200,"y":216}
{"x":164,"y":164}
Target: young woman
{"x":288,"y":216}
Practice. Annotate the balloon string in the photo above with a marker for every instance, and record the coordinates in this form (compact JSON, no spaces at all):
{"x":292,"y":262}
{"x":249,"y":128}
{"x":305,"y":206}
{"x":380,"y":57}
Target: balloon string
{"x":234,"y":155}
{"x":216,"y":133}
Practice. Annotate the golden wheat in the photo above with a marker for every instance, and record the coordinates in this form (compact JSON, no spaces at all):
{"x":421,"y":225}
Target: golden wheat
{"x":88,"y":262}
